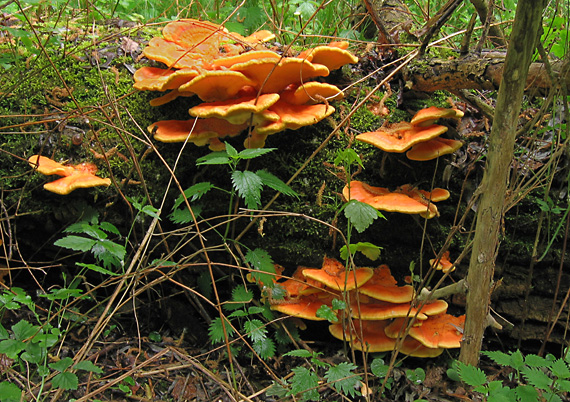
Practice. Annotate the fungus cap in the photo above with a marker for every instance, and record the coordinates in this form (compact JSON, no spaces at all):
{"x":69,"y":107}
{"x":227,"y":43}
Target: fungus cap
{"x":238,"y":111}
{"x":444,"y":264}
{"x":229,"y":61}
{"x":305,"y":306}
{"x":400,"y":137}
{"x":373,"y":338}
{"x":158,"y":79}
{"x":333,"y":275}
{"x":439,"y":331}
{"x":311,"y":93}
{"x":198,"y":131}
{"x":382,"y":286}
{"x":211,"y":86}
{"x":425,"y":151}
{"x":426,"y":117}
{"x":294,"y":116}
{"x":332,"y":57}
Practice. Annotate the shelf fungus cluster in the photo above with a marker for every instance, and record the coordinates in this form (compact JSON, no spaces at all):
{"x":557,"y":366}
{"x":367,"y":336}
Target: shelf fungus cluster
{"x":377,"y":311}
{"x":420,"y":138}
{"x":73,"y":176}
{"x":244,"y":85}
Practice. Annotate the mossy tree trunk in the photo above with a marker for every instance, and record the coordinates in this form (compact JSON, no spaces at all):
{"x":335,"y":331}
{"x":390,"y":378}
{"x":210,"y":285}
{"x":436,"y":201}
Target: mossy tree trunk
{"x":493,"y":187}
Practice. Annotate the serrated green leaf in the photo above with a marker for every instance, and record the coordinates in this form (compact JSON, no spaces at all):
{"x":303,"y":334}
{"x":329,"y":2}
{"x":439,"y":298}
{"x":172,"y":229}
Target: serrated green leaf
{"x":182,"y":215}
{"x":346,"y":157}
{"x":193,"y":193}
{"x":498,"y":357}
{"x":248,"y":185}
{"x":34,"y":353}
{"x":254,"y":152}
{"x":65,"y":380}
{"x":299,"y":353}
{"x":551,"y":397}
{"x":517,"y":360}
{"x":240,"y":296}
{"x":327,"y":313}
{"x":526,"y":393}
{"x":62,"y":364}
{"x":536,"y":377}
{"x":87,"y":365}
{"x":471,"y":375}
{"x":343,"y":379}
{"x":97,"y":268}
{"x":214,"y":158}
{"x":275,"y":183}
{"x":263,"y":265}
{"x":563,"y":385}
{"x":151,"y":211}
{"x":361,"y":215}
{"x":239,"y":313}
{"x":3,"y":333}
{"x":265,"y":348}
{"x":76,"y":243}
{"x":231,"y":151}
{"x":62,"y":294}
{"x":216,"y":330}
{"x":284,"y":337}
{"x":277,"y":390}
{"x":338,"y":304}
{"x":10,"y":392}
{"x":536,"y":361}
{"x":560,"y":369}
{"x":23,"y":330}
{"x":109,"y":227}
{"x":255,"y":330}
{"x":304,"y":383}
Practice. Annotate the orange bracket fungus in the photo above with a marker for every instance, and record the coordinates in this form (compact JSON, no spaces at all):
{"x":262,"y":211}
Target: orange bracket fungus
{"x":74,"y":177}
{"x":377,"y":312}
{"x":222,"y":68}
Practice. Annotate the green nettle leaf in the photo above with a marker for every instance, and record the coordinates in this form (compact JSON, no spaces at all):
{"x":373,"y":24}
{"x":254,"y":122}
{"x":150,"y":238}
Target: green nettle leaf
{"x":109,"y":227}
{"x":194,"y":193}
{"x":275,"y":183}
{"x":277,"y":390}
{"x":62,"y":364}
{"x":304,"y":382}
{"x":342,"y":378}
{"x":517,"y":360}
{"x":183,"y":215}
{"x":361,"y":215}
{"x":76,"y":243}
{"x":263,"y":265}
{"x":265,"y":348}
{"x":214,"y":158}
{"x":65,"y":380}
{"x":536,"y":361}
{"x":299,"y":353}
{"x":248,"y":186}
{"x":536,"y":377}
{"x":254,"y":152}
{"x":96,"y":268}
{"x":86,"y":365}
{"x":498,"y":357}
{"x":10,"y":392}
{"x":240,"y":296}
{"x":526,"y":393}
{"x":255,"y":330}
{"x":62,"y":294}
{"x":471,"y":375}
{"x":327,"y":313}
{"x":151,"y":211}
{"x":231,"y":151}
{"x":216,"y":330}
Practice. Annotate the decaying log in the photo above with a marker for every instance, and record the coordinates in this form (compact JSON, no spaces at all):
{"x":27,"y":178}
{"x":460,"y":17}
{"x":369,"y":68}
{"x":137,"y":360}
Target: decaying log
{"x":484,"y":71}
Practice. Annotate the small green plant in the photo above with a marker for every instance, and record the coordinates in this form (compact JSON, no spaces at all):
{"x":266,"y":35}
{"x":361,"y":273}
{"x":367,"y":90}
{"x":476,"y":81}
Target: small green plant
{"x":533,"y":377}
{"x":305,"y":382}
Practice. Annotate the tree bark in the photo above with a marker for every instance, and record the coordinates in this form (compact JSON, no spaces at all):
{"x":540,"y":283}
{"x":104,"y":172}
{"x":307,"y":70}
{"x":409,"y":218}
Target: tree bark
{"x":483,"y":71}
{"x":494,"y":184}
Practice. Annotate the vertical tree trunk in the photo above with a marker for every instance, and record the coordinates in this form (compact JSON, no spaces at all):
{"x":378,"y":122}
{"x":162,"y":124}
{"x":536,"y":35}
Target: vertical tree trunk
{"x":493,"y":187}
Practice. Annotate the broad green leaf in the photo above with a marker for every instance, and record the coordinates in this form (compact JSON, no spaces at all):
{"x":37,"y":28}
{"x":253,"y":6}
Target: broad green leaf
{"x":255,"y":330}
{"x":194,"y":193}
{"x":254,"y":152}
{"x":560,"y":369}
{"x":248,"y":186}
{"x":3,"y":333}
{"x":338,"y":304}
{"x":526,"y":393}
{"x":277,"y":390}
{"x":275,"y":183}
{"x":517,"y":360}
{"x":368,"y":249}
{"x":183,"y":215}
{"x":471,"y":375}
{"x":11,"y":348}
{"x":24,"y":330}
{"x":264,"y":347}
{"x":62,"y":294}
{"x":347,"y":157}
{"x":417,"y":376}
{"x":342,"y":378}
{"x":216,"y":330}
{"x":327,"y":313}
{"x":87,"y":365}
{"x":536,"y":377}
{"x":214,"y":158}
{"x":536,"y":361}
{"x":76,"y":243}
{"x":299,"y":353}
{"x":502,"y":358}
{"x":231,"y":151}
{"x":361,"y":215}
{"x":34,"y":353}
{"x":305,"y":384}
{"x":378,"y":368}
{"x":10,"y":392}
{"x":240,"y":296}
{"x":65,"y":380}
{"x":263,"y":265}
{"x":96,"y":268}
{"x":151,"y":211}
{"x":62,"y":364}
{"x":109,"y":227}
